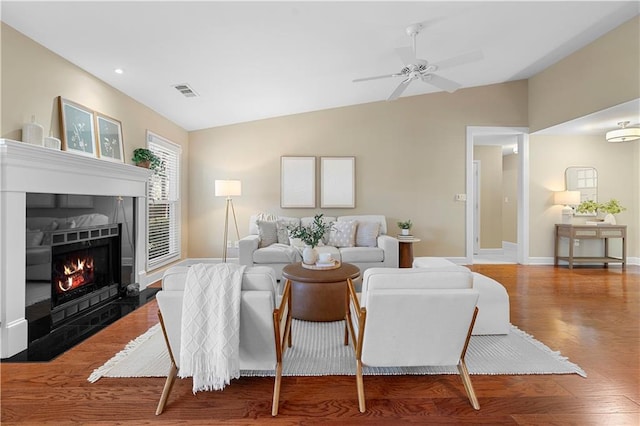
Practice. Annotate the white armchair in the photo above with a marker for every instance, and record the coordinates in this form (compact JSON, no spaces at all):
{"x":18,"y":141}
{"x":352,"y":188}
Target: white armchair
{"x":261,"y":332}
{"x":413,"y":317}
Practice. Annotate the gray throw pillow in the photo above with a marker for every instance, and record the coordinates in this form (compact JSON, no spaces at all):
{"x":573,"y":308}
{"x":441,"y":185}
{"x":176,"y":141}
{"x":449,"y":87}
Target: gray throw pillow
{"x":267,"y":231}
{"x":367,"y":234}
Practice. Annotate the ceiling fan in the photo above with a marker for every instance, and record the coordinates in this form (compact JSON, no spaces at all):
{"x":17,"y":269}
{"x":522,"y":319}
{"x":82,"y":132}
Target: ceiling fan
{"x":420,"y":69}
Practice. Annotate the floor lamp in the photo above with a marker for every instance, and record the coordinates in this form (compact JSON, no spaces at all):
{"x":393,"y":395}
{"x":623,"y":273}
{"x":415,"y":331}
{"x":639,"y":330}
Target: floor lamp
{"x":228,"y":188}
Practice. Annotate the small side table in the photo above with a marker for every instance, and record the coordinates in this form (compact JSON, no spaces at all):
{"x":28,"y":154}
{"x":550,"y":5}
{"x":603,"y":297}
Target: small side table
{"x":319,"y":295}
{"x":406,"y":252}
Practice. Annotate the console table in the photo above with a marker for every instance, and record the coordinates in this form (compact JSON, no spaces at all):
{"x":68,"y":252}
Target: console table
{"x":590,"y":232}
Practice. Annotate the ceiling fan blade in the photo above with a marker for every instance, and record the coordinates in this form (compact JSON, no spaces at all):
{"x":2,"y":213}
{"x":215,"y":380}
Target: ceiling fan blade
{"x":406,"y":54}
{"x":375,"y":78}
{"x":465,"y":58}
{"x":441,"y":82}
{"x":396,"y":93}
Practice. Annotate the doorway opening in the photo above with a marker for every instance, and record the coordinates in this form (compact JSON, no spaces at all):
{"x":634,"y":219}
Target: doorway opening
{"x":497,"y":189}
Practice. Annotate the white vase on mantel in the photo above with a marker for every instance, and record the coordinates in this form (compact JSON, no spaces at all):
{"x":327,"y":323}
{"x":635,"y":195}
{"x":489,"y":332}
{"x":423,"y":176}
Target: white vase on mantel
{"x":610,"y":219}
{"x":310,"y":255}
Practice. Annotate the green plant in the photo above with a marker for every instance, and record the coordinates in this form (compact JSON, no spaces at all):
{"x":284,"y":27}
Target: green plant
{"x":312,"y":234}
{"x":612,"y":206}
{"x":405,"y":224}
{"x":588,"y":206}
{"x":142,"y":155}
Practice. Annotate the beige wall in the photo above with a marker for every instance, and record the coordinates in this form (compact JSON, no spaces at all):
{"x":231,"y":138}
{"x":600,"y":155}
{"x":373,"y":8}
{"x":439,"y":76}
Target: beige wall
{"x":490,"y":165}
{"x":618,"y":177}
{"x":598,"y":76}
{"x":601,"y":75}
{"x":409,"y":153}
{"x":510,"y":198}
{"x":32,"y":79}
{"x":410,"y":162}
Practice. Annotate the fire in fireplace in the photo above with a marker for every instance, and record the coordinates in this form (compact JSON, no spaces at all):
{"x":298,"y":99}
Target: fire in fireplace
{"x":73,"y":273}
{"x":85,"y":269}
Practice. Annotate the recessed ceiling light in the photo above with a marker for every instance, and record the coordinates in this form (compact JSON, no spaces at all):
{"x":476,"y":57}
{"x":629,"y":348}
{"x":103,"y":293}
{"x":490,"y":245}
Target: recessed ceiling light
{"x":119,"y":71}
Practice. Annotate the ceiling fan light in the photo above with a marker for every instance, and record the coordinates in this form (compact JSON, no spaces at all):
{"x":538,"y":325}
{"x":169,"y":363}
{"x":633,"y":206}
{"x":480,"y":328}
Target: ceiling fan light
{"x":623,"y":135}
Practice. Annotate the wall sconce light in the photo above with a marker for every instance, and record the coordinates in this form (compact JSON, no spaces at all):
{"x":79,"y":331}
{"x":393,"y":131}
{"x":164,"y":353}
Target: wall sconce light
{"x":625,"y":134}
{"x":567,"y":199}
{"x":228,"y":188}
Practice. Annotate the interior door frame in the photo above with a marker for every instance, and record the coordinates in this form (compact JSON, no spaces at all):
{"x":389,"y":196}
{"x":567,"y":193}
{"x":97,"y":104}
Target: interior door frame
{"x":475,"y":199}
{"x":522,"y":136}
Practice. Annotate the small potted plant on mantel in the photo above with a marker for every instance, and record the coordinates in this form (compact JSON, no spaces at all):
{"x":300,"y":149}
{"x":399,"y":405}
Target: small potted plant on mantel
{"x":311,"y":236}
{"x":405,"y":226}
{"x":144,"y":157}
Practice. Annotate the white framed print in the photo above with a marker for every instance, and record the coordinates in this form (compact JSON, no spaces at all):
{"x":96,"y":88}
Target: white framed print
{"x":109,"y":132}
{"x":337,"y":182}
{"x":298,"y":182}
{"x":76,"y":128}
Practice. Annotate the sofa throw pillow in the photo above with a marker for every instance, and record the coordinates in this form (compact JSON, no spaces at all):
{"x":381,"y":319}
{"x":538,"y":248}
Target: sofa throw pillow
{"x":282,"y":226}
{"x":267,"y":232}
{"x":367,"y":234}
{"x":46,"y":241}
{"x":343,"y":234}
{"x":34,"y":238}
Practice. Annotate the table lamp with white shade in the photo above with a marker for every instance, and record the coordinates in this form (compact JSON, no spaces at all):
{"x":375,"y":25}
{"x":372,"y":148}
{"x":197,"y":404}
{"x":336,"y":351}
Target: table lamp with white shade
{"x":567,"y":199}
{"x":228,"y":188}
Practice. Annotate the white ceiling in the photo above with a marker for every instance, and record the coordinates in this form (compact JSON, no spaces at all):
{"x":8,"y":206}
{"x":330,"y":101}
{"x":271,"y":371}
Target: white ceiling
{"x":256,"y":60}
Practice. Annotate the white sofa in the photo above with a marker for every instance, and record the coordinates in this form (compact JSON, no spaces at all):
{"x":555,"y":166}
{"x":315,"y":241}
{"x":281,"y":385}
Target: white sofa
{"x":379,"y":250}
{"x":493,"y":303}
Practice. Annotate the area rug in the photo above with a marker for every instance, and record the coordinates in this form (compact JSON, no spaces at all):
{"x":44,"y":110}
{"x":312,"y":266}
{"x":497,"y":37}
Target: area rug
{"x":318,"y":350}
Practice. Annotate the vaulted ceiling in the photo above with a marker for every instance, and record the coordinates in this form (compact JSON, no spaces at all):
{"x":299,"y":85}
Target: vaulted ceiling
{"x":254,"y":60}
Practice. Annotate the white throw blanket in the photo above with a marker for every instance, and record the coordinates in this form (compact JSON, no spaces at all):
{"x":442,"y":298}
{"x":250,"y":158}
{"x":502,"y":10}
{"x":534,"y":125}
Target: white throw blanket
{"x":210,"y":342}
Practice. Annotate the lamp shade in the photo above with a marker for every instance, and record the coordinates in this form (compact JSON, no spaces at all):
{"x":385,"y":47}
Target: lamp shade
{"x":228,"y":188}
{"x":566,"y":198}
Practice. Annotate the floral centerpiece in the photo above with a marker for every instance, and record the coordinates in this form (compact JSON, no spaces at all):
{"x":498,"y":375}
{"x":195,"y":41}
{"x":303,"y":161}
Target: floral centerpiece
{"x":311,"y":236}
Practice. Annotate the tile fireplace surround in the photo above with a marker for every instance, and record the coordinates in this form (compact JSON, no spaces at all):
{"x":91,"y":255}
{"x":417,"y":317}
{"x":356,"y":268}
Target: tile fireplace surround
{"x":26,"y":168}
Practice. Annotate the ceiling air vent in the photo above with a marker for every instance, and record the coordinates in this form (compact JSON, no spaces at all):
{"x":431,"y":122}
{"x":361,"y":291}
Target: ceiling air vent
{"x":185,"y":90}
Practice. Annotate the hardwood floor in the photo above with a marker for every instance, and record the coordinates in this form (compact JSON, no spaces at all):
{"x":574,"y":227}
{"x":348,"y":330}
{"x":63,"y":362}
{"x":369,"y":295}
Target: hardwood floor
{"x":591,"y":315}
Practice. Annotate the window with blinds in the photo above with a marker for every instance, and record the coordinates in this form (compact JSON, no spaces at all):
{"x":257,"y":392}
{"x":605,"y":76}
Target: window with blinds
{"x":163,"y":204}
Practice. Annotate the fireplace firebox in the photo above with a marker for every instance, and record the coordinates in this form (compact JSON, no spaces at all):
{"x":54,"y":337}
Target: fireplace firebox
{"x":85,"y":271}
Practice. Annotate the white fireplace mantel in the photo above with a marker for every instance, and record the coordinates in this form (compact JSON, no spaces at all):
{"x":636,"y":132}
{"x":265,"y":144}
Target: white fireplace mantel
{"x":27,"y":168}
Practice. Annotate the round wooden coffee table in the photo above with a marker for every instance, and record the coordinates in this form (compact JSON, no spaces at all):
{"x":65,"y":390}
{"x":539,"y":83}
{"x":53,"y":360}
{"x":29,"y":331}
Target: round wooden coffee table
{"x":319,"y":295}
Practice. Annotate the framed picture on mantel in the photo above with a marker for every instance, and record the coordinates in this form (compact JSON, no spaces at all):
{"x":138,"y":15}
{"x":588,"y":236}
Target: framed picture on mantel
{"x":110,"y":145}
{"x":76,"y":127}
{"x":298,"y":182}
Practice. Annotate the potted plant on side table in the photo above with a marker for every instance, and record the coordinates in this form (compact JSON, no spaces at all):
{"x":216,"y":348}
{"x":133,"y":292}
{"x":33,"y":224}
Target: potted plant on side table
{"x":405,"y":226}
{"x":311,"y":236}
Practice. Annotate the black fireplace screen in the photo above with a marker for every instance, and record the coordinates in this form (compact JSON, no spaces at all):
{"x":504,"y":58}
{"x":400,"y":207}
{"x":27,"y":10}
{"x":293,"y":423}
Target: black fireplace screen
{"x":83,"y":267}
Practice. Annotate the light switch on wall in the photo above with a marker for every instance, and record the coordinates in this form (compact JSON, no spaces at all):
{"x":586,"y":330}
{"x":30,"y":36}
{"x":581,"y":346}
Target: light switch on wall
{"x":461,"y":197}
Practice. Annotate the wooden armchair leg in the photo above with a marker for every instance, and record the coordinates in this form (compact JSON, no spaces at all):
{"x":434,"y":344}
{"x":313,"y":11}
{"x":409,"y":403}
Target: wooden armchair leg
{"x":168,"y":385}
{"x":466,"y":380}
{"x":360,"y":384}
{"x":276,"y":390}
